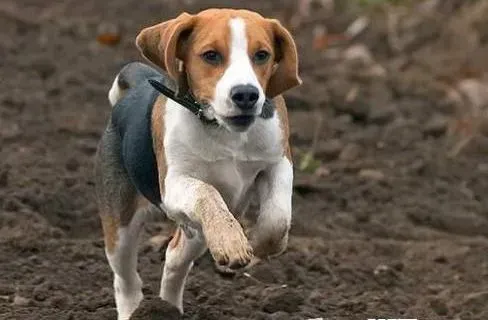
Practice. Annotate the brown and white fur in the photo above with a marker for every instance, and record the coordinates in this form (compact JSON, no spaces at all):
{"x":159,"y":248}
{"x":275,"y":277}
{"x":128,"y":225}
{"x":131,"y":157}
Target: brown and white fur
{"x":207,"y":176}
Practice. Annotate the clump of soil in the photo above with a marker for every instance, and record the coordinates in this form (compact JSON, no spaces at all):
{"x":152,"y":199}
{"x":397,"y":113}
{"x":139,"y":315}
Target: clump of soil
{"x":155,"y":308}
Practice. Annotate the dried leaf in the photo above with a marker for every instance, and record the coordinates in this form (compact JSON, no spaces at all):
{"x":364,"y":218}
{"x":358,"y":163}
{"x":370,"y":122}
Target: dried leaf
{"x":320,"y":39}
{"x":108,"y":34}
{"x":108,"y":39}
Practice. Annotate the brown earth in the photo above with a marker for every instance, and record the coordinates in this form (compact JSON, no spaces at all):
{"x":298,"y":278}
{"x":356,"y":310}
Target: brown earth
{"x":387,"y":226}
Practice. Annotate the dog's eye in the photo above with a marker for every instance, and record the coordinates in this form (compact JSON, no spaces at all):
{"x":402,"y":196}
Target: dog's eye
{"x":212,"y":57}
{"x":261,"y":57}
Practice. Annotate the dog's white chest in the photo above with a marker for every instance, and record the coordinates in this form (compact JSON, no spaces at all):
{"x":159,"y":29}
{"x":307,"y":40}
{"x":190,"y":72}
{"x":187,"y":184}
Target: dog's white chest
{"x":234,"y":179}
{"x":227,"y":160}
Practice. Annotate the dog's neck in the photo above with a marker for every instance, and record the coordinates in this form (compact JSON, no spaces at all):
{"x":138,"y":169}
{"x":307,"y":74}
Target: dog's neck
{"x":186,"y":99}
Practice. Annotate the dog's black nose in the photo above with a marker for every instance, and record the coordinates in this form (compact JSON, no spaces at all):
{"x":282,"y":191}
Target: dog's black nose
{"x":244,"y":96}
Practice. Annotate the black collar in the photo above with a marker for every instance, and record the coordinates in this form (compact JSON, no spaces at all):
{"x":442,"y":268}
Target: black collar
{"x":186,"y":101}
{"x":197,"y":109}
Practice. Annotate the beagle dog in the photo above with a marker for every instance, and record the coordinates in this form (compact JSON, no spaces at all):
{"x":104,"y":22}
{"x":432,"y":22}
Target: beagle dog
{"x":201,"y":172}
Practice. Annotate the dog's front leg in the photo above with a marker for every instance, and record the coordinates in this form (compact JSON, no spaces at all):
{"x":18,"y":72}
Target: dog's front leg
{"x":192,"y":201}
{"x":269,"y":236}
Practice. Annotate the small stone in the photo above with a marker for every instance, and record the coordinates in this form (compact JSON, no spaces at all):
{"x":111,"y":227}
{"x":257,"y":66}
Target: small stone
{"x":56,"y":233}
{"x":20,"y":301}
{"x":436,"y":126}
{"x":435,"y":288}
{"x":279,"y":315}
{"x":359,"y":52}
{"x":350,"y":152}
{"x":37,"y":280}
{"x":371,"y":174}
{"x":385,"y":275}
{"x":475,"y":90}
{"x":35,"y":259}
{"x":316,"y":297}
{"x":42,"y":291}
{"x":381,"y":115}
{"x":382,"y":268}
{"x":377,"y":71}
{"x":322,"y":171}
{"x":439,"y":307}
{"x":330,"y":148}
{"x":418,"y":166}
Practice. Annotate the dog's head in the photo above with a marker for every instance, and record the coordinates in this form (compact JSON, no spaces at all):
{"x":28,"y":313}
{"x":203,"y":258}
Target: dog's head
{"x":230,"y":59}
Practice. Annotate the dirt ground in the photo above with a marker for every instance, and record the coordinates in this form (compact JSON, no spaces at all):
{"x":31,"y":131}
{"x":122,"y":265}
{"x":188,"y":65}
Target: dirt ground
{"x":390,"y":217}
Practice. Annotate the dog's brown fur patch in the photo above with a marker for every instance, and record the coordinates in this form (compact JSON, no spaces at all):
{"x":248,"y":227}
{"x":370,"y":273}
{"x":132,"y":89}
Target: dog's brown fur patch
{"x":110,"y":225}
{"x":157,"y":130}
{"x":284,"y":125}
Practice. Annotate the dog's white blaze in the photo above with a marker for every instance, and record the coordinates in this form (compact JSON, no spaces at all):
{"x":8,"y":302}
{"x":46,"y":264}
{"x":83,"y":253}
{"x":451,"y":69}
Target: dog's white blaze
{"x":239,"y":72}
{"x":115,"y":93}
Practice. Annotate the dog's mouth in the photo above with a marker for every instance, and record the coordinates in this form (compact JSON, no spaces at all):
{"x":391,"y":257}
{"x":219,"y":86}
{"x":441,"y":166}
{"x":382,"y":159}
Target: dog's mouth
{"x":240,"y":123}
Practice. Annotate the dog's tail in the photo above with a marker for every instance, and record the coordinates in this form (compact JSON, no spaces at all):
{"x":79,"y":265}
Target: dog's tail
{"x":129,"y":77}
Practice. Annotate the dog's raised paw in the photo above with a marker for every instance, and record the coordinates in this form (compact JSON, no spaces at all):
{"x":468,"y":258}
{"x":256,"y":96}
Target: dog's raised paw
{"x":229,"y":246}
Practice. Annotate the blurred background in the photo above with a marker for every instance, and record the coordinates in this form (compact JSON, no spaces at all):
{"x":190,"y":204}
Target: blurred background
{"x":388,"y":134}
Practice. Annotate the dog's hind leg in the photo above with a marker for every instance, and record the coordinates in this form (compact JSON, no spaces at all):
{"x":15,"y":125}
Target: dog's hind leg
{"x":118,"y":202}
{"x":184,"y":248}
{"x":123,"y":262}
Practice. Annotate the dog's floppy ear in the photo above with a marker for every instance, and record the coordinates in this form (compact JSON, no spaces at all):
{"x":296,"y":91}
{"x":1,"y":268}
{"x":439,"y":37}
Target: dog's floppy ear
{"x":161,"y":43}
{"x":285,"y":75}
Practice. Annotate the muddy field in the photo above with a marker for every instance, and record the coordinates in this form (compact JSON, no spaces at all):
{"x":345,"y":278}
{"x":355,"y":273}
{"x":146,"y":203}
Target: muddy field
{"x":390,"y":216}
